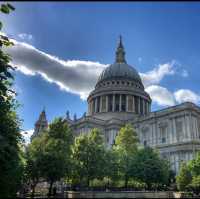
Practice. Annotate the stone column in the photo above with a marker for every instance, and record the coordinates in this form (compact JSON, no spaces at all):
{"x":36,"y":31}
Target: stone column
{"x":141,"y":101}
{"x":113,"y":105}
{"x":95,"y":110}
{"x":152,"y":132}
{"x":92,"y":102}
{"x":174,"y":130}
{"x":144,"y":104}
{"x":184,"y":128}
{"x":188,"y":127}
{"x":155,"y":133}
{"x":147,"y":107}
{"x":138,"y":105}
{"x":196,"y":124}
{"x":90,"y":108}
{"x":127,"y":96}
{"x":106,"y":103}
{"x":120,"y":103}
{"x":170,"y":131}
{"x":191,"y":127}
{"x":133,"y":103}
{"x":100,"y":105}
{"x":195,"y":129}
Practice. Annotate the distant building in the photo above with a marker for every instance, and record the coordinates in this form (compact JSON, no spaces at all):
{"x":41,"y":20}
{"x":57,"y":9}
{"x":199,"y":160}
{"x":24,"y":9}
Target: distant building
{"x":119,"y":98}
{"x":40,"y":125}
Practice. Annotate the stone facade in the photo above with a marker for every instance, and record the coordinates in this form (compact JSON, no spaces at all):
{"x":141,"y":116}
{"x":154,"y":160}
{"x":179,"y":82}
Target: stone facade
{"x":40,"y":125}
{"x":119,"y":98}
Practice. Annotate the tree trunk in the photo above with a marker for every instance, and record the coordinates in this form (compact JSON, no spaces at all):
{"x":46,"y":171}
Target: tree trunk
{"x":50,"y":188}
{"x":126,"y":181}
{"x":33,"y":190}
{"x":149,"y":186}
{"x":88,"y":182}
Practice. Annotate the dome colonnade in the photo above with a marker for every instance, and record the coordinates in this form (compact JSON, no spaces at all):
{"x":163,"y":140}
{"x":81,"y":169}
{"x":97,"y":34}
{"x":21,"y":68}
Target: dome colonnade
{"x":119,"y":89}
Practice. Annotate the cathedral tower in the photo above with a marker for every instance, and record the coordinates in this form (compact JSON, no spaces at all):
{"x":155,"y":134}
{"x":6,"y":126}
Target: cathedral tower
{"x":41,"y":124}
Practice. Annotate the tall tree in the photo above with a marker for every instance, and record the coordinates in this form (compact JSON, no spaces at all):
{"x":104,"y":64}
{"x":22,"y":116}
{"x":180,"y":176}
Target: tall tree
{"x":125,"y":147}
{"x":184,"y":178}
{"x":89,"y":156}
{"x":34,"y":161}
{"x":149,"y":167}
{"x":111,"y":166}
{"x":194,"y":169}
{"x":57,"y":152}
{"x":194,"y":165}
{"x":10,"y":139}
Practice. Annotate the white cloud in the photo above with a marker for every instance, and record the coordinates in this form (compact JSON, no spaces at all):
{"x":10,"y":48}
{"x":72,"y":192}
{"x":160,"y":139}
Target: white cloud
{"x":25,"y":36}
{"x":79,"y":77}
{"x":74,"y":76}
{"x":27,"y":135}
{"x":186,"y":95}
{"x":157,"y":74}
{"x":160,"y":95}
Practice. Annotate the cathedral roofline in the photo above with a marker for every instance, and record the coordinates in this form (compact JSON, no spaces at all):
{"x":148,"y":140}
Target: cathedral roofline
{"x":184,"y":104}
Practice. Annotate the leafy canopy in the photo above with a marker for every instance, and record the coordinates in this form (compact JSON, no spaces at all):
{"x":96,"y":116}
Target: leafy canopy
{"x":11,"y":163}
{"x":148,"y":167}
{"x":89,"y":156}
{"x":184,"y":178}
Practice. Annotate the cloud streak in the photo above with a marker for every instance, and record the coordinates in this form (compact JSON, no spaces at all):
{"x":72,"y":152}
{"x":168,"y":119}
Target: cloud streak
{"x":160,"y":95}
{"x":79,"y":77}
{"x":186,"y":95}
{"x":158,"y":73}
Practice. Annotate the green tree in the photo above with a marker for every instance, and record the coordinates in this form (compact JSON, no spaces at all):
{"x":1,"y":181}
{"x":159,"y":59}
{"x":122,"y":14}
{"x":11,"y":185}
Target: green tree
{"x":89,"y":157}
{"x":184,"y":178}
{"x":195,"y":184}
{"x":11,"y":165}
{"x":194,"y":168}
{"x":56,"y":152}
{"x":194,"y":165}
{"x":148,"y":167}
{"x":34,"y":161}
{"x":125,"y":148}
{"x":111,"y":166}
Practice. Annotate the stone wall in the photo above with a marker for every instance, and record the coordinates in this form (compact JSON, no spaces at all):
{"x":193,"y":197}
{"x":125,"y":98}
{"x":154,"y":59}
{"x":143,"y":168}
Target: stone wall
{"x":123,"y":194}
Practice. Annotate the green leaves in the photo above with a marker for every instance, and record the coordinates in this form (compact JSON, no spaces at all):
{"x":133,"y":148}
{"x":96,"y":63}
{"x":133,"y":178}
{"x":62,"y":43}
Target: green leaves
{"x":6,"y":8}
{"x":184,"y":177}
{"x":1,"y":25}
{"x":127,"y":139}
{"x":189,"y":175}
{"x":10,"y":6}
{"x":148,"y":167}
{"x":89,"y":157}
{"x":49,"y":154}
{"x":125,"y":148}
{"x":11,"y":163}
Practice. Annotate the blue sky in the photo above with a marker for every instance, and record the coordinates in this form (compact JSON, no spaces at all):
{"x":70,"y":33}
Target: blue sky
{"x":159,"y":39}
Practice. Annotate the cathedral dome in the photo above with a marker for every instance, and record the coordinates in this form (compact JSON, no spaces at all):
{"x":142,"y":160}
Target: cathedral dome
{"x":119,"y":92}
{"x":120,"y":69}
